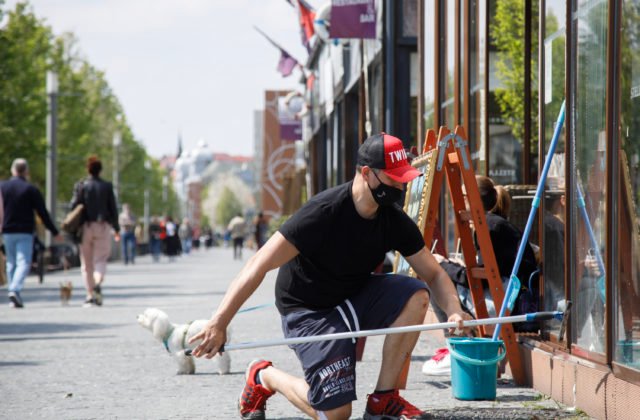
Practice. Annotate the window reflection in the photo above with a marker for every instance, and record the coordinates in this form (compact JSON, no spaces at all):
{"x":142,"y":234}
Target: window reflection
{"x":555,"y":199}
{"x":477,"y":88}
{"x":627,"y":289}
{"x":429,"y":64}
{"x":506,"y":89}
{"x":589,"y":215}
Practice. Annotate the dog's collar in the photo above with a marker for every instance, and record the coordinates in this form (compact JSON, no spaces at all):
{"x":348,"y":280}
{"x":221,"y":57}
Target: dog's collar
{"x":165,"y":340}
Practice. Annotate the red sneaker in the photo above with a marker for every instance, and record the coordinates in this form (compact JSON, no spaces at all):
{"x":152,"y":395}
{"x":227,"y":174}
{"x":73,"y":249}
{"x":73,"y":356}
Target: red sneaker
{"x":253,"y":400}
{"x":391,"y":406}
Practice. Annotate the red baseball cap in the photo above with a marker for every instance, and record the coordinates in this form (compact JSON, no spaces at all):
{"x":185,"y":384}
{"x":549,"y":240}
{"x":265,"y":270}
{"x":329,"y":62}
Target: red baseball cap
{"x":387,"y":153}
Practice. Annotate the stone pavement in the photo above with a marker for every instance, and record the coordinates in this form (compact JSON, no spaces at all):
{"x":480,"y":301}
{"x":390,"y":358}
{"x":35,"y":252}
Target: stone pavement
{"x":69,"y":362}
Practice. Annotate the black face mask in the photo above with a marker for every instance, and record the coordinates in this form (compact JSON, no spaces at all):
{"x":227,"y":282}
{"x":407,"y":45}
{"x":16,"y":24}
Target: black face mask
{"x":385,"y":195}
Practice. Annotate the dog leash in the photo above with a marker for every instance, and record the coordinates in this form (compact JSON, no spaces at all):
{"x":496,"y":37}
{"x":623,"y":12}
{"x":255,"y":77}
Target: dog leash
{"x":254,"y":308}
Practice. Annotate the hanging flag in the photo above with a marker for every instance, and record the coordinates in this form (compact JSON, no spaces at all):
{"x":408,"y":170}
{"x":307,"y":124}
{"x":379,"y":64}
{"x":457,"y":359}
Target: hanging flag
{"x":307,"y":15}
{"x":287,"y":63}
{"x":353,"y":19}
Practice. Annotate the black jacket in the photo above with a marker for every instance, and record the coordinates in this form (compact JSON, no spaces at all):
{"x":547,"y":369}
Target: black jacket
{"x":98,"y":199}
{"x":20,"y":199}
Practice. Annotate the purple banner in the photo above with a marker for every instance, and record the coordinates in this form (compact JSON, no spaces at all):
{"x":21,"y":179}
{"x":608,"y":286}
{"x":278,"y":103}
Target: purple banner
{"x":290,"y":126}
{"x":353,"y":19}
{"x":291,"y":130}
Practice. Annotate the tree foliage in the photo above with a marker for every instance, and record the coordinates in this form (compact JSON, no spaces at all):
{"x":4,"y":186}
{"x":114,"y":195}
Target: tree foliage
{"x":228,"y":207}
{"x":89,"y":114}
{"x":508,"y":35}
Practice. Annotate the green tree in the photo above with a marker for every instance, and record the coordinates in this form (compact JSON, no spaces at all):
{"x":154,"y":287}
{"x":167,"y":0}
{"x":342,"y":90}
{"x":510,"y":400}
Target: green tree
{"x":508,"y":36}
{"x":24,"y":47}
{"x":89,"y":114}
{"x":228,"y":207}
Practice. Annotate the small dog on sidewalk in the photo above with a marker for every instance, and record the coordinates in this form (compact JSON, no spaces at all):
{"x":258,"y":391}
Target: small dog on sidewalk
{"x":66,"y":288}
{"x":175,"y":338}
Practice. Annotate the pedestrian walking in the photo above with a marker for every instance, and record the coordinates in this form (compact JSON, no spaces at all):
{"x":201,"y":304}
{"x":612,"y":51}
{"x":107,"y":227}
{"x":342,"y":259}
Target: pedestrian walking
{"x":326,"y":253}
{"x":155,"y":238}
{"x":237,"y":228}
{"x":20,"y":199}
{"x":185,"y":232}
{"x":127,"y":222}
{"x":260,"y":226}
{"x":172,"y":242}
{"x":100,"y":219}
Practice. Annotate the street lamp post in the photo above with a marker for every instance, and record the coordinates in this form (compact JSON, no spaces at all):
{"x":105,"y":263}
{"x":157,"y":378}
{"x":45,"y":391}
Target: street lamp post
{"x":147,"y":167}
{"x":117,"y":139}
{"x":52,"y":147}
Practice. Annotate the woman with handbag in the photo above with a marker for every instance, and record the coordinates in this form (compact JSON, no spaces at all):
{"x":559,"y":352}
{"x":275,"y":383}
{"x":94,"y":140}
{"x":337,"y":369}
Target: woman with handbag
{"x":100,"y":217}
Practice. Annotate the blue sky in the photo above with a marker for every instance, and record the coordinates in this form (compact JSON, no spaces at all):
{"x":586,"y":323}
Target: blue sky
{"x":190,"y":66}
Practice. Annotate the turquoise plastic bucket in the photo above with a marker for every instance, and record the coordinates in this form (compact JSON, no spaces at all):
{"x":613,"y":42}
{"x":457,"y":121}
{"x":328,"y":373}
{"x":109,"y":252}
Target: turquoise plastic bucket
{"x":474,"y":367}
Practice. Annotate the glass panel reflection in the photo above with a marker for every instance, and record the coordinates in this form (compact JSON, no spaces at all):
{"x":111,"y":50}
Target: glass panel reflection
{"x":627,"y":289}
{"x":589,"y":215}
{"x":554,"y":212}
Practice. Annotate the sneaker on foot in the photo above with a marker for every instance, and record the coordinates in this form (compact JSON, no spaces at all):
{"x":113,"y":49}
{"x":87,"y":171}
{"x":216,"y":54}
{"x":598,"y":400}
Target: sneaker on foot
{"x":253,"y":401}
{"x":89,"y":303}
{"x":15,"y":300}
{"x":97,"y":295}
{"x":391,"y":406}
{"x":439,"y":364}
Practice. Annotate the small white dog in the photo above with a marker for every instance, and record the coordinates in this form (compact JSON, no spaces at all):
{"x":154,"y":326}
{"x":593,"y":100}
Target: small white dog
{"x":175,"y":338}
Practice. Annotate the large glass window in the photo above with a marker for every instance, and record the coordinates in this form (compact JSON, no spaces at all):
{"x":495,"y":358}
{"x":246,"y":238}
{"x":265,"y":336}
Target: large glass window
{"x":588,"y":217}
{"x":477,"y":88}
{"x":627,"y":300}
{"x":506,"y":90}
{"x":429,"y":64}
{"x":554,"y":211}
{"x":449,"y":61}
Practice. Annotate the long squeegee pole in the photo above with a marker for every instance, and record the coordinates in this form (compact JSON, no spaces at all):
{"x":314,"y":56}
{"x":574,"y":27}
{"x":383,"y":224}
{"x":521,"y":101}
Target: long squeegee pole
{"x":395,"y":330}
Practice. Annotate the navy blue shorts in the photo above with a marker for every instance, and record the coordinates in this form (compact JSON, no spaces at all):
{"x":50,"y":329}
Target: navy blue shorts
{"x":330,"y":366}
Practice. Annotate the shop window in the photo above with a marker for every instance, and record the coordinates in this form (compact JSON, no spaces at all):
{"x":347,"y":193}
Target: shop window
{"x":554,"y":201}
{"x":627,"y":288}
{"x":429,"y":64}
{"x":477,"y":88}
{"x":449,"y":61}
{"x":588,"y":91}
{"x":506,"y":100}
{"x":375,"y":99}
{"x":409,"y":21}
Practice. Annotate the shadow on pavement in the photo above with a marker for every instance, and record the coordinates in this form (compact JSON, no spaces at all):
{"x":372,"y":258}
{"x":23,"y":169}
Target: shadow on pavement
{"x":19,"y":363}
{"x":49,"y":328}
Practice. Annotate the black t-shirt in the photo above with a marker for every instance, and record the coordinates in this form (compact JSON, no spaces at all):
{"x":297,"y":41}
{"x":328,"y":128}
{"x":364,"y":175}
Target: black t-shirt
{"x":339,"y":249}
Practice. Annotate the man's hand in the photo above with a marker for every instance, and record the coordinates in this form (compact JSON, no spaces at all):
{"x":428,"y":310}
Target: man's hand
{"x":58,"y":238}
{"x":213,"y":337}
{"x":116,"y":237}
{"x":459,"y":317}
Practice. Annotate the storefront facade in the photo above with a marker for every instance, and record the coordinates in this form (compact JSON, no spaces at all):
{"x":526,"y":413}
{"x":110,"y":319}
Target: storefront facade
{"x":502,"y":69}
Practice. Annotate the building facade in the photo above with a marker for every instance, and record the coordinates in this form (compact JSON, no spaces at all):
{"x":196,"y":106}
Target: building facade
{"x":502,"y":69}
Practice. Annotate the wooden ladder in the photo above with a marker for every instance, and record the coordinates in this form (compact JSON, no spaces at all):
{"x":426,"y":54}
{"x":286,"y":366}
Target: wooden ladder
{"x":454,"y":161}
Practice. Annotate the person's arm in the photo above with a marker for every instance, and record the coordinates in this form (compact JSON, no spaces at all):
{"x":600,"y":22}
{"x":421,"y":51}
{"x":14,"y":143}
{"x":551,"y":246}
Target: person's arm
{"x":442,"y":288}
{"x":41,"y":209}
{"x":276,"y":252}
{"x":113,"y":210}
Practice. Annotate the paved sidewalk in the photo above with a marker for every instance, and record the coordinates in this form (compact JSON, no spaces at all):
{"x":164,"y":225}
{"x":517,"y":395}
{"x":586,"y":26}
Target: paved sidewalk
{"x":69,"y":362}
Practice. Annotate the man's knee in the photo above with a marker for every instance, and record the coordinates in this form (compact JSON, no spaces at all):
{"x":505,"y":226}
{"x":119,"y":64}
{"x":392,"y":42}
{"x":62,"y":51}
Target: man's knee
{"x":340,"y":413}
{"x":419,"y":302}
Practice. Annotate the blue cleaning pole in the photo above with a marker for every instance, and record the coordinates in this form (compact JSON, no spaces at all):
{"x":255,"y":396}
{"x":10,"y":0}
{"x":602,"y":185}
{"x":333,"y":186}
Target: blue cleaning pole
{"x":513,"y":288}
{"x":594,"y":245}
